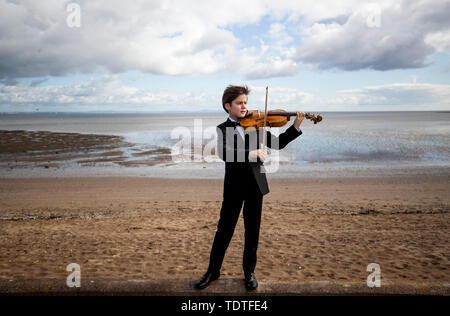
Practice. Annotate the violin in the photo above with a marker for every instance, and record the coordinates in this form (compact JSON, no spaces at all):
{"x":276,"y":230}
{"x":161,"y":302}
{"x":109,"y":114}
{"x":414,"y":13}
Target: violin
{"x":274,"y":118}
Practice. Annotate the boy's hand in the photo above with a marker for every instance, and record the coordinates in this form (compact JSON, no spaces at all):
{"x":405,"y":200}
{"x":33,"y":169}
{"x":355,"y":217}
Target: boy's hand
{"x":258,"y":153}
{"x":299,"y":119}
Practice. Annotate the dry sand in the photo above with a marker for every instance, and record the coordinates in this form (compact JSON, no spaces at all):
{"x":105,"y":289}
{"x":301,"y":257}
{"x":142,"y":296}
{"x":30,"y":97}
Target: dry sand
{"x":144,"y":228}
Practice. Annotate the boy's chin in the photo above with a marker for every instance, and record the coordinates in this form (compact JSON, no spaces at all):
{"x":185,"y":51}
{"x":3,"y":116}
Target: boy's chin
{"x":242,"y":115}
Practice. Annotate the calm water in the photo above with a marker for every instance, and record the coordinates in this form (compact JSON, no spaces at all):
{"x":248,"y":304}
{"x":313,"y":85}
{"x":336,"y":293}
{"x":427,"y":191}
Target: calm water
{"x":343,"y":144}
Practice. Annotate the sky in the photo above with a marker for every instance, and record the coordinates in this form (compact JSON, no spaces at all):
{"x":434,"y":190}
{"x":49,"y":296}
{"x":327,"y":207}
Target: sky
{"x":180,"y":55}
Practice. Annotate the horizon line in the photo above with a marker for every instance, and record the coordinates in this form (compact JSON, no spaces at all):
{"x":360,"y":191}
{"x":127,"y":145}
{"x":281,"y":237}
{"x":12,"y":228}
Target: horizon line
{"x":200,"y":111}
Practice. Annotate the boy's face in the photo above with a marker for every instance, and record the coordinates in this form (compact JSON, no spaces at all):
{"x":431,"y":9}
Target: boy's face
{"x":238,"y":107}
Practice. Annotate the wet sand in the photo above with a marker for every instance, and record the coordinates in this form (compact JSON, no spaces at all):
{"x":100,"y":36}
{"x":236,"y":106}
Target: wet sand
{"x":43,"y":149}
{"x":143,"y":228}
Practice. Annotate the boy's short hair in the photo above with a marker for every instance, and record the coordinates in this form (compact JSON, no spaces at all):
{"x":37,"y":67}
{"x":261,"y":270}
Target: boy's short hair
{"x":232,"y":92}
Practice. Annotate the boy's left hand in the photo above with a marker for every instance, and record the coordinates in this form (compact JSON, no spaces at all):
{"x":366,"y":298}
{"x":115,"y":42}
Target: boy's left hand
{"x":299,"y":119}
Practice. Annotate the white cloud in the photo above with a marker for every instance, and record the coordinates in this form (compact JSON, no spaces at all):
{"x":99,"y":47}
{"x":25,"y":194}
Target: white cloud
{"x":388,"y":35}
{"x":162,"y":37}
{"x":283,"y":98}
{"x":279,"y":36}
{"x":439,"y":40}
{"x":99,"y":94}
{"x":178,"y":37}
{"x":109,"y":93}
{"x":417,"y":96}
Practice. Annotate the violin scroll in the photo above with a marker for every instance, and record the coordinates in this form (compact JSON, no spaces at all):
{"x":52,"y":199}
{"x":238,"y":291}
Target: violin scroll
{"x":314,"y":118}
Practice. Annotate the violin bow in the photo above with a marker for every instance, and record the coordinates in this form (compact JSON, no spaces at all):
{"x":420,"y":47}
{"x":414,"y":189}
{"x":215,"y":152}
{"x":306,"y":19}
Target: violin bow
{"x":265,"y":121}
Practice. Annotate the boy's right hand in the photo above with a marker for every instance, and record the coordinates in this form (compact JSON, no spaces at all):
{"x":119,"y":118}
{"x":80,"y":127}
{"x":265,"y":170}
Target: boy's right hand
{"x":257,"y":153}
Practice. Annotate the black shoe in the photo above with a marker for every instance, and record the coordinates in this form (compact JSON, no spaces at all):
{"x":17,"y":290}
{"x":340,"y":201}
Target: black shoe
{"x":206,"y":279}
{"x":250,"y":281}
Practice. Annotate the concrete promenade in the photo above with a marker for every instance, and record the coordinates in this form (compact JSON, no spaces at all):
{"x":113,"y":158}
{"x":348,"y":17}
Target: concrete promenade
{"x":221,"y":287}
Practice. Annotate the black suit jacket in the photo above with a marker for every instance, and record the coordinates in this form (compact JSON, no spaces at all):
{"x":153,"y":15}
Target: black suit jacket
{"x":234,"y":151}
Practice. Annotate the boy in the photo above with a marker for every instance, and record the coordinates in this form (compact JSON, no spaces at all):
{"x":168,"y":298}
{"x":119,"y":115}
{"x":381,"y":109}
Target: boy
{"x":245,"y":183}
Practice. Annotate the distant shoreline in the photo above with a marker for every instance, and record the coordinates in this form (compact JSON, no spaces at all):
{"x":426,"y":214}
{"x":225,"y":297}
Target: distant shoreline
{"x":210,"y":112}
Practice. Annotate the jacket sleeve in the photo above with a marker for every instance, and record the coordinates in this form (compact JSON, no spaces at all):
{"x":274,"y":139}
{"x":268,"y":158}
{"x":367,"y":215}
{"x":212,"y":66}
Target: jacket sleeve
{"x":281,"y":141}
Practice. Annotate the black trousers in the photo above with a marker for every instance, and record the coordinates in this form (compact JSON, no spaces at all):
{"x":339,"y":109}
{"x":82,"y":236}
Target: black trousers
{"x":246,"y":192}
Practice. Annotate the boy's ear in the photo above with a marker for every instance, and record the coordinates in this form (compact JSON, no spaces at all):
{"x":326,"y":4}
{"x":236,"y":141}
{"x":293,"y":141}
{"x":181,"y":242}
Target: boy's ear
{"x":227,"y":107}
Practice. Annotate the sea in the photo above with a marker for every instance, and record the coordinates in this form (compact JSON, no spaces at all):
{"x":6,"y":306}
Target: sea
{"x":344,"y":144}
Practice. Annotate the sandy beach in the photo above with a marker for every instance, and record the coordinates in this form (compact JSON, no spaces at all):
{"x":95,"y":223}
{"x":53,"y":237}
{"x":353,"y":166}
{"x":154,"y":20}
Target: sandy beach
{"x":324,"y":229}
{"x":143,"y":228}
